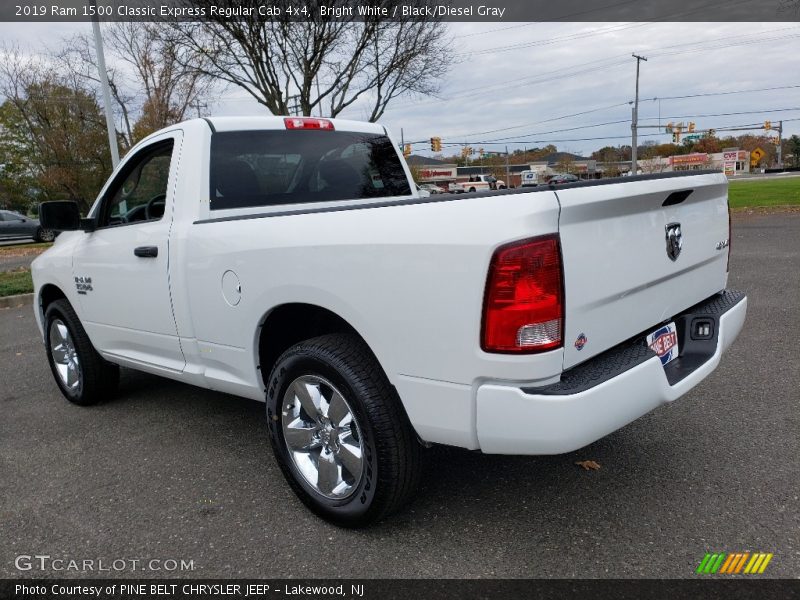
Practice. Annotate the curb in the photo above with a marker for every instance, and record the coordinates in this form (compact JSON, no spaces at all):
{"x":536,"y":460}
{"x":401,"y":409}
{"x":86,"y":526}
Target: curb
{"x":16,"y":301}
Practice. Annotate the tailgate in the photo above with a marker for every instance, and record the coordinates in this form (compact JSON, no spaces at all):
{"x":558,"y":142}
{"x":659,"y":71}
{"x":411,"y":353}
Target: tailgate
{"x":621,"y":277}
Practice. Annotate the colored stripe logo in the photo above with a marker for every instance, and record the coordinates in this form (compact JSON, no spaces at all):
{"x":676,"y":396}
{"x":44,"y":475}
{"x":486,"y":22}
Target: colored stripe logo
{"x":734,"y":563}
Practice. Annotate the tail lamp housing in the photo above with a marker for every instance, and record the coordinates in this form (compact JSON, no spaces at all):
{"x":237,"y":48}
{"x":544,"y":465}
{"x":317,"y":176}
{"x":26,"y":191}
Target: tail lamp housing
{"x":308,"y":123}
{"x":523,"y":310}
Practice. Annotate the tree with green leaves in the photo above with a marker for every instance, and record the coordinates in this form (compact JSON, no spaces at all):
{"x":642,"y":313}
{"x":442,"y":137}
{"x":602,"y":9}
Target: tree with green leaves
{"x":54,"y":143}
{"x":794,"y":145}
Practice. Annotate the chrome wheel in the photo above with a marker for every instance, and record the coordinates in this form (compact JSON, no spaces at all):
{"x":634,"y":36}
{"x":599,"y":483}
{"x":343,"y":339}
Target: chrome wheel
{"x":47,"y":235}
{"x":322,"y":436}
{"x":65,"y":357}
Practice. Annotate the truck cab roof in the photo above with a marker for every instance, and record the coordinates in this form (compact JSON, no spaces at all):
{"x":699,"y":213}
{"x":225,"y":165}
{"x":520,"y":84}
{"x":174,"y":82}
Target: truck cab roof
{"x":250,"y":123}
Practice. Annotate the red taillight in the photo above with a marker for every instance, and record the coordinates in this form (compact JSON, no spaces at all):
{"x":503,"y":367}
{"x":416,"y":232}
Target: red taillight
{"x":307,"y":123}
{"x":523,"y":309}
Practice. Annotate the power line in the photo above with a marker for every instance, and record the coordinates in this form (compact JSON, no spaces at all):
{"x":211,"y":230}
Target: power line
{"x":703,"y":95}
{"x":559,"y":118}
{"x":510,"y":140}
{"x":600,"y":31}
{"x":534,"y":133}
{"x":466,"y":35}
{"x":794,"y":86}
{"x":613,"y":61}
{"x":727,"y":114}
{"x":527,"y":141}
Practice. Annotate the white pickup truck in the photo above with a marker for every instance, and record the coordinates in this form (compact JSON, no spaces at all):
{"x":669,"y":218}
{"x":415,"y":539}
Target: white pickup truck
{"x":290,"y":260}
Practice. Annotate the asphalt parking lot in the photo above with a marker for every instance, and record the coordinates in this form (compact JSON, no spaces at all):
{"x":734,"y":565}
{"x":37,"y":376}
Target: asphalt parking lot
{"x":167,"y":471}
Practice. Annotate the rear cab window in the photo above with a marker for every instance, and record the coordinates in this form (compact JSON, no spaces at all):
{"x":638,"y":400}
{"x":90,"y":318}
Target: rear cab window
{"x":266,"y":168}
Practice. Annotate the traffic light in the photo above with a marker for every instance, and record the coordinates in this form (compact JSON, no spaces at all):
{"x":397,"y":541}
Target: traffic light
{"x":407,"y":150}
{"x":676,"y":137}
{"x":712,"y":132}
{"x":668,"y":128}
{"x":691,"y":126}
{"x":767,"y":125}
{"x":436,"y":144}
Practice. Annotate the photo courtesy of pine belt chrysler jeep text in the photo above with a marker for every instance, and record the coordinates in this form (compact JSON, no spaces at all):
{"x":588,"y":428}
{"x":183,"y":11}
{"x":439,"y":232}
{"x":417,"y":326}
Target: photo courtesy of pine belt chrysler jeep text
{"x":293,"y":261}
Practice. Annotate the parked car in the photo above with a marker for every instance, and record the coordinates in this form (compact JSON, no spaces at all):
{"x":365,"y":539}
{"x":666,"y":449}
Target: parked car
{"x":423,"y":193}
{"x":561,"y":178}
{"x":433,"y":189}
{"x":290,"y":260}
{"x":16,"y":226}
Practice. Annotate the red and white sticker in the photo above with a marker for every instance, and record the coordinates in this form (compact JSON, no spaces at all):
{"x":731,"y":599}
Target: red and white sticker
{"x":664,"y":342}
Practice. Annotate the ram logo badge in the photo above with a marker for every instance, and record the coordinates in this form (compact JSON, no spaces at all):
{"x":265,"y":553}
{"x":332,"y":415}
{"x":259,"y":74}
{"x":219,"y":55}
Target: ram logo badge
{"x":581,"y":342}
{"x":674,"y":240}
{"x":83,"y":285}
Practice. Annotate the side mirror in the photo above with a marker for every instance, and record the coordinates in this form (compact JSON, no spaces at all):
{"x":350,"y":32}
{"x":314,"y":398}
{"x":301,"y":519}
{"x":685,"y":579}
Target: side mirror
{"x":63,"y":215}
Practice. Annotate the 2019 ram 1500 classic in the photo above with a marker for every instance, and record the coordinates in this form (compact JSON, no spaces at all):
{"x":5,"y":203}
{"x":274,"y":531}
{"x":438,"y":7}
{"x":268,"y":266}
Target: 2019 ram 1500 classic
{"x":291,"y":260}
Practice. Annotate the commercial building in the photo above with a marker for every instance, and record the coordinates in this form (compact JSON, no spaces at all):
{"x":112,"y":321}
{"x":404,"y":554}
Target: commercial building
{"x":442,"y":173}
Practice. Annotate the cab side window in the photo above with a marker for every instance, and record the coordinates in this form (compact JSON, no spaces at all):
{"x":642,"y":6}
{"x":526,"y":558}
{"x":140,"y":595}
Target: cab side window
{"x":140,"y":191}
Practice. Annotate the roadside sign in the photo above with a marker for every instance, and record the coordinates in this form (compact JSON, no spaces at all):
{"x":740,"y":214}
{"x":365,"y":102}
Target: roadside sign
{"x":694,"y":137}
{"x":730,"y":155}
{"x":729,"y":169}
{"x":756,"y":155}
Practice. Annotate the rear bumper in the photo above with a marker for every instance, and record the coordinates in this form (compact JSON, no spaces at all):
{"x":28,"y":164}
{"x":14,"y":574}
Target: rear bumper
{"x":608,"y":391}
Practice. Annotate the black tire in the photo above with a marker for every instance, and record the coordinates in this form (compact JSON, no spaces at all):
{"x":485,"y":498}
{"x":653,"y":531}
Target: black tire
{"x":98,"y":378}
{"x":44,"y":235}
{"x":472,"y":189}
{"x":390,"y":450}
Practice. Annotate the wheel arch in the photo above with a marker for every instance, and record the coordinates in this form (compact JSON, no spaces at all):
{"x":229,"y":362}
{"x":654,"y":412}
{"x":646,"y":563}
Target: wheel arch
{"x":290,"y":323}
{"x":48,"y":294}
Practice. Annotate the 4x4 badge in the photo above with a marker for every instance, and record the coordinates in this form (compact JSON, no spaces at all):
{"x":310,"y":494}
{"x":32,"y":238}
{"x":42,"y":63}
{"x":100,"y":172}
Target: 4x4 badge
{"x":674,"y":240}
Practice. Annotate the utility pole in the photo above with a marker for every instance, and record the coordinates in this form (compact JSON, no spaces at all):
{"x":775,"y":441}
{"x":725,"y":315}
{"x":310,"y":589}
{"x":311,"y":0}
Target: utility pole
{"x":101,"y":67}
{"x":293,"y":106}
{"x":635,"y":116}
{"x":508,"y":176}
{"x":199,"y":107}
{"x":780,"y":144}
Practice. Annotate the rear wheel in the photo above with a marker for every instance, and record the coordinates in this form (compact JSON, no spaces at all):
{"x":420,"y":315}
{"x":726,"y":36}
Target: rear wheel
{"x":44,"y":235}
{"x":339,"y":433}
{"x":82,"y":375}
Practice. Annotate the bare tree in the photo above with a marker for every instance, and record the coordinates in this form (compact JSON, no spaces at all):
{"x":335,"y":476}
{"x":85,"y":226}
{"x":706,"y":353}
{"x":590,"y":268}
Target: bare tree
{"x":651,"y":161}
{"x":154,"y":79}
{"x":326,"y":64}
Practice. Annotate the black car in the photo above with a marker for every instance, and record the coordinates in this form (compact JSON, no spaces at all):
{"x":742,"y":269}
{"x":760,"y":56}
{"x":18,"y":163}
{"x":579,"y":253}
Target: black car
{"x":560,"y":178}
{"x":14,"y":225}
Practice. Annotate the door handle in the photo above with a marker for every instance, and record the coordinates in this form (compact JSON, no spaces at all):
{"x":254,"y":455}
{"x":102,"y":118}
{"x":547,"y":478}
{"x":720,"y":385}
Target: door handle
{"x":146,"y":251}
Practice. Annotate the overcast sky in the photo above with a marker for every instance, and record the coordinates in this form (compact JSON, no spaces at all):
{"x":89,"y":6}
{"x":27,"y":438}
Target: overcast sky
{"x":520,"y":78}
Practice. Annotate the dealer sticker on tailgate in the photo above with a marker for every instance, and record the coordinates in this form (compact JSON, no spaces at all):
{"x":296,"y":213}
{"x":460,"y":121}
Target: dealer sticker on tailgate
{"x":664,"y":342}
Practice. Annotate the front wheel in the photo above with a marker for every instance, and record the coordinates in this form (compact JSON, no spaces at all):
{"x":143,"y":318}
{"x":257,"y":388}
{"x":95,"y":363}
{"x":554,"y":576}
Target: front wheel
{"x":82,"y":375}
{"x":339,"y":433}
